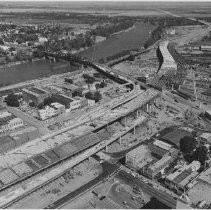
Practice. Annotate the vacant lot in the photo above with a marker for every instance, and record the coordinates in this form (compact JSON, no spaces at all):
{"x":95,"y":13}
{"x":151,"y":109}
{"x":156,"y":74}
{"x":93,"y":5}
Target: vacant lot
{"x":131,"y":39}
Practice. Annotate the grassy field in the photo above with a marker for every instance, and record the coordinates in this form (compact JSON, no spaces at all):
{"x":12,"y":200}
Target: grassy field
{"x":131,"y":39}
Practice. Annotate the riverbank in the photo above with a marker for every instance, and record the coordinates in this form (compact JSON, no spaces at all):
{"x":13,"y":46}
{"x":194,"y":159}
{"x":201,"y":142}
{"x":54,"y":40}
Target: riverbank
{"x":15,"y":63}
{"x":126,"y":30}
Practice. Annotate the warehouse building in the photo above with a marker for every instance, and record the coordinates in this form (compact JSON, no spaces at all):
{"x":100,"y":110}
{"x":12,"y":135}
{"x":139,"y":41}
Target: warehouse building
{"x":35,"y":94}
{"x":68,"y":102}
{"x":158,"y":167}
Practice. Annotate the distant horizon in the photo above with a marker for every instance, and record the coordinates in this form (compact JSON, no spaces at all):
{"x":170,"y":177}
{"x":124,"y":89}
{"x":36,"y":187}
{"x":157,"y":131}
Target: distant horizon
{"x":112,"y":1}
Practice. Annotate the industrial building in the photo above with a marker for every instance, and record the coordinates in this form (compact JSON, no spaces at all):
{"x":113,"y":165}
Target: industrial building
{"x":67,"y":101}
{"x":138,"y":157}
{"x":35,"y":94}
{"x":72,"y":90}
{"x":158,"y":167}
{"x":73,"y":103}
{"x":163,"y":154}
{"x":179,"y":179}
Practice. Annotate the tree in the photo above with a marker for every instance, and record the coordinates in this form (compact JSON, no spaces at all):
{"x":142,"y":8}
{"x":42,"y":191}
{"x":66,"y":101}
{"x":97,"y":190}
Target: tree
{"x":68,"y":80}
{"x":12,"y":100}
{"x":93,"y":96}
{"x":88,"y":79}
{"x":187,"y":144}
{"x":97,"y":96}
{"x":89,"y":95}
{"x":200,"y":154}
{"x":1,"y":42}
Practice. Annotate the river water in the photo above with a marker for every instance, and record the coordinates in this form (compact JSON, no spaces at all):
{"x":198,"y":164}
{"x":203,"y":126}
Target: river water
{"x":32,"y":70}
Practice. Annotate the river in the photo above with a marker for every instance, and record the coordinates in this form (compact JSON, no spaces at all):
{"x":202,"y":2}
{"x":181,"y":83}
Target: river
{"x":131,"y":39}
{"x":32,"y":70}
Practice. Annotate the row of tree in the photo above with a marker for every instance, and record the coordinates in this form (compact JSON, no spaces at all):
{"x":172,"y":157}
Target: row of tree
{"x":96,"y":96}
{"x":191,"y":151}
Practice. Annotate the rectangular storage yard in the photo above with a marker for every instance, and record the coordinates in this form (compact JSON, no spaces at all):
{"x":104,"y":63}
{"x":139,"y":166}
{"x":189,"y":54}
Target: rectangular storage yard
{"x":86,"y":140}
{"x":40,"y":160}
{"x":52,"y":155}
{"x":65,"y":150}
{"x":7,"y":176}
{"x":22,"y":169}
{"x":33,"y":166}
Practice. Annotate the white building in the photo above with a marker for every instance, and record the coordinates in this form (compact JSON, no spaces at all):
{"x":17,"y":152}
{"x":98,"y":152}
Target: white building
{"x":91,"y":102}
{"x":74,"y":104}
{"x":46,"y":113}
{"x":59,"y":108}
{"x":42,"y":39}
{"x":9,"y":122}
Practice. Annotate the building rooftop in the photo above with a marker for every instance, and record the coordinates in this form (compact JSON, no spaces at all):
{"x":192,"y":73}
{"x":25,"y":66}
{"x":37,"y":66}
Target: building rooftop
{"x":157,"y":151}
{"x":181,"y":176}
{"x":162,"y":145}
{"x":64,"y":96}
{"x":30,"y":92}
{"x":160,"y":163}
{"x":185,"y":181}
{"x":38,"y":90}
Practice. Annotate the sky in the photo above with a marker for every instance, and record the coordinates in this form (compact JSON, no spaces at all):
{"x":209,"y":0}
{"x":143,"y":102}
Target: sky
{"x":106,"y":0}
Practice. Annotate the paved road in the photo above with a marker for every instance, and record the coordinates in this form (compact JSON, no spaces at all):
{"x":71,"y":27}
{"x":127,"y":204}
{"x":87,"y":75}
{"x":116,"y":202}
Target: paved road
{"x":108,"y":169}
{"x":118,"y":194}
{"x":43,"y":130}
{"x":160,"y":195}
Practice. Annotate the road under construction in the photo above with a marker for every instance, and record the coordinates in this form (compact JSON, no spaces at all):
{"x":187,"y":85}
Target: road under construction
{"x":121,"y":109}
